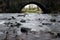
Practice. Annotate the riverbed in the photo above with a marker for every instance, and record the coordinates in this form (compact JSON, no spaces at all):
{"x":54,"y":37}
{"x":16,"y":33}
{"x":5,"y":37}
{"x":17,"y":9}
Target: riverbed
{"x":39,"y":23}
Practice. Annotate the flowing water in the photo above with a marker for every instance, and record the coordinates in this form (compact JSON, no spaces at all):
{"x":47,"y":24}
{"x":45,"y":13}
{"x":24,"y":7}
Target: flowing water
{"x":34,"y":22}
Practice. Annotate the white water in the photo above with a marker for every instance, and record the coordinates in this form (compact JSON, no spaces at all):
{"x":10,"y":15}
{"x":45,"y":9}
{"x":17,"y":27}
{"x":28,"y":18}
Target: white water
{"x":33,"y":22}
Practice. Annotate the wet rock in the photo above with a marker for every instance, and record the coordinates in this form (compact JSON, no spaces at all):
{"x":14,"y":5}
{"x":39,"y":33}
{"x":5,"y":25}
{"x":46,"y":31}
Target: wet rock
{"x":44,"y":19}
{"x":9,"y":18}
{"x":7,"y":23}
{"x":46,"y":23}
{"x":17,"y":37}
{"x":21,"y":15}
{"x":23,"y":21}
{"x":40,"y":26}
{"x":18,"y":24}
{"x":50,"y":33}
{"x":6,"y":38}
{"x":54,"y":35}
{"x":59,"y":21}
{"x":11,"y":25}
{"x":13,"y":17}
{"x":58,"y":34}
{"x":24,"y":30}
{"x":53,"y":20}
{"x":39,"y":19}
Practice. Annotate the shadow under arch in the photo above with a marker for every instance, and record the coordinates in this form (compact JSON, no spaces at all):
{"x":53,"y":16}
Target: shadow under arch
{"x":43,"y":7}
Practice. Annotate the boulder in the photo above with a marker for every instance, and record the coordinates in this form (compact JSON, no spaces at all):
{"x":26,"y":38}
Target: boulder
{"x":23,"y":21}
{"x":53,"y":20}
{"x":24,"y":30}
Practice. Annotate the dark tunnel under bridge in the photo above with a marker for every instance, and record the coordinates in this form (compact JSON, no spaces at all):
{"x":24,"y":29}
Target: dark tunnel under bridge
{"x":15,"y":6}
{"x":43,"y":7}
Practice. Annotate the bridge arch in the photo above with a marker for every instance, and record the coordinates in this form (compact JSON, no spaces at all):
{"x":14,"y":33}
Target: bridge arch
{"x":43,"y":7}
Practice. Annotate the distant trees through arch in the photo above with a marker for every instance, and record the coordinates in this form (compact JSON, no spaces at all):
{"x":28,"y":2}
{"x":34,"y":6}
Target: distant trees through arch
{"x":33,"y":7}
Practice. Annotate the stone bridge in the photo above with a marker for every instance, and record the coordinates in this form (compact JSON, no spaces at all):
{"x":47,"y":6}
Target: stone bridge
{"x":15,"y":6}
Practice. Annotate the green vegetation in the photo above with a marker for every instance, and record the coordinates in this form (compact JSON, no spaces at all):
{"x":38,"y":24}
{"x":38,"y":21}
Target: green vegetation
{"x":31,"y":8}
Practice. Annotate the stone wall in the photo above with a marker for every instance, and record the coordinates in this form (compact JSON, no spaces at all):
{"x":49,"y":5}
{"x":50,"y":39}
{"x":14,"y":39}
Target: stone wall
{"x":15,"y":5}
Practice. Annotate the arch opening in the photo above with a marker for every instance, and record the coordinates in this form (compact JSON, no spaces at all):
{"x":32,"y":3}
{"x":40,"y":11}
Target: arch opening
{"x":39,"y":5}
{"x":32,"y":8}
